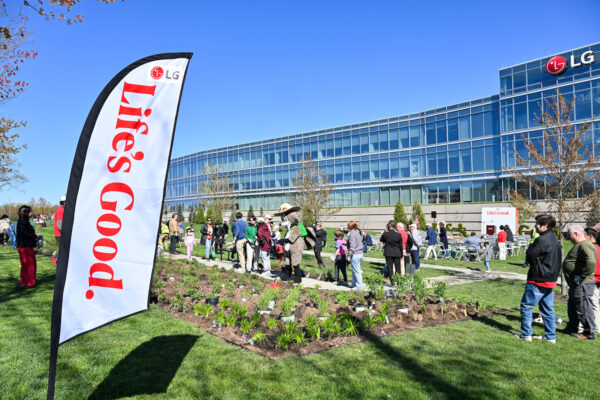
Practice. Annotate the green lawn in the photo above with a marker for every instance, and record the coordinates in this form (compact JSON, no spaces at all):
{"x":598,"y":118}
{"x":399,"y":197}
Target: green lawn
{"x":153,"y":355}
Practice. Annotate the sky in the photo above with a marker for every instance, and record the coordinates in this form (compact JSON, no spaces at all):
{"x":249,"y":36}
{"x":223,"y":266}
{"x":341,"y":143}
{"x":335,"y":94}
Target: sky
{"x":265,"y":69}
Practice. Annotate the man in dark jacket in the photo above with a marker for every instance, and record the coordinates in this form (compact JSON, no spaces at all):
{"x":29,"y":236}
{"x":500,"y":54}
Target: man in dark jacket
{"x":543,"y":258}
{"x":509,"y":234}
{"x":579,"y":268}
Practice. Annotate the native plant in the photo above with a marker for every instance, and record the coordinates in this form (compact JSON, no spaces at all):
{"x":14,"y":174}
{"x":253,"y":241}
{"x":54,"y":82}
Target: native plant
{"x":439,"y":289}
{"x":332,"y":326}
{"x":271,"y":323}
{"x":284,"y":340}
{"x":259,"y":336}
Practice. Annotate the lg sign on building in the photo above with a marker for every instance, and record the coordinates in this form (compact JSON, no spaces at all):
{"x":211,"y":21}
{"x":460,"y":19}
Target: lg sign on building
{"x":557,"y":64}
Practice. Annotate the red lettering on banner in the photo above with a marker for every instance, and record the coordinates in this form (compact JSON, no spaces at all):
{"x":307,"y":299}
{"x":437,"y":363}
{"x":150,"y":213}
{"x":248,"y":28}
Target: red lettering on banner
{"x":119,"y":188}
{"x":105,"y":249}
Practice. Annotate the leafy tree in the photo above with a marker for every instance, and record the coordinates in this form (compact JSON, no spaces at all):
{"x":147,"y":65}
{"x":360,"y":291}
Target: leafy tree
{"x":180,"y":212}
{"x":200,"y":217}
{"x":191,"y":214}
{"x":216,"y":191}
{"x":558,"y":166}
{"x":250,"y":212}
{"x":209,"y":215}
{"x":418,"y":215}
{"x":313,"y":192}
{"x":593,"y":216}
{"x":400,"y":213}
{"x":232,"y":213}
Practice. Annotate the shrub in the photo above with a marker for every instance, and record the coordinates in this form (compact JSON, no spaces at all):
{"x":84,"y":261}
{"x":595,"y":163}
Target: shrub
{"x":284,"y":340}
{"x":332,"y":326}
{"x":271,"y":323}
{"x":439,"y":288}
{"x":259,"y":336}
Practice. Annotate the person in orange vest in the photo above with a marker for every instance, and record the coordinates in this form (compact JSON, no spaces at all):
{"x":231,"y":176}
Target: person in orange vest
{"x":58,"y":220}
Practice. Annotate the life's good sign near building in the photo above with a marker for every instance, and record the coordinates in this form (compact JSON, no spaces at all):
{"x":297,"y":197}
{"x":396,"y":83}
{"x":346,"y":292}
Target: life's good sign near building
{"x":497,"y":216}
{"x":557,"y":65}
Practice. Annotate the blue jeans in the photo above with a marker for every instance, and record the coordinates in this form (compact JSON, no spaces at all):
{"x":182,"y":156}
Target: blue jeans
{"x":544,"y":297}
{"x":416,"y":259}
{"x":487,"y":264}
{"x":208,"y":247}
{"x":356,"y":271}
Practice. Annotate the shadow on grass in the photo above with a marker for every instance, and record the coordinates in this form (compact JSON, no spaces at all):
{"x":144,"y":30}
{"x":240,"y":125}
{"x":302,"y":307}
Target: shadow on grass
{"x":494,"y":323}
{"x":148,"y":369}
{"x":15,"y":291}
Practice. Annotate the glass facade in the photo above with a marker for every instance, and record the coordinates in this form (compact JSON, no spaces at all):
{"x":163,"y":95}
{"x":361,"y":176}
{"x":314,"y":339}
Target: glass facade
{"x":452,"y":154}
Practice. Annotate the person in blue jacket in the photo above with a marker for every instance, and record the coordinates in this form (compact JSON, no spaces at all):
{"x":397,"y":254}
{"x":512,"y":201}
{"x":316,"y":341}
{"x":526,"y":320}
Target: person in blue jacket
{"x":431,"y":242}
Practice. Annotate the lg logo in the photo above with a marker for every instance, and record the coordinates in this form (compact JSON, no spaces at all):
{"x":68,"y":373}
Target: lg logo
{"x":557,"y":64}
{"x":169,"y":75}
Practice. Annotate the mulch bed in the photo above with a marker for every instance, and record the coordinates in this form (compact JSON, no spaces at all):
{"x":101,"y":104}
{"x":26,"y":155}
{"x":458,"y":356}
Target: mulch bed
{"x":175,"y":279}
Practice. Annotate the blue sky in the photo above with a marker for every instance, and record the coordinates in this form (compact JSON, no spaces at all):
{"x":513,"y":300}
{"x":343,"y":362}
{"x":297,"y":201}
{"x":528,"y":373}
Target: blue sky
{"x":266,"y":69}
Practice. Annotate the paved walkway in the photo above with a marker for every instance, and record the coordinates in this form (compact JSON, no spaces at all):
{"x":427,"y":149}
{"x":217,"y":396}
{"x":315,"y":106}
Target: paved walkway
{"x":465,"y":275}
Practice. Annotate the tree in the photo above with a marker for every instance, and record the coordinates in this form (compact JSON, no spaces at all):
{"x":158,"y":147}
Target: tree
{"x":593,"y":216}
{"x":559,"y":166}
{"x":313,"y":193}
{"x":179,"y":212}
{"x":526,"y":210}
{"x":232,"y":213}
{"x":400,"y":213}
{"x":191,"y":214}
{"x":250,"y":213}
{"x":261,"y":212}
{"x":209,"y":215}
{"x":216,"y":192}
{"x":200,"y":217}
{"x":418,"y":214}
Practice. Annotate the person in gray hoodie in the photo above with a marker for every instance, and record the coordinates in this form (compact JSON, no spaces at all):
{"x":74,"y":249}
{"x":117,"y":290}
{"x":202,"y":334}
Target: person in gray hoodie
{"x":355,"y":251}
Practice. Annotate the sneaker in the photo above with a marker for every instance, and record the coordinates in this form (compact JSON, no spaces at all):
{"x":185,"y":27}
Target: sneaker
{"x":545,"y":338}
{"x":578,"y":336}
{"x":526,"y":338}
{"x":539,"y":320}
{"x":559,"y":321}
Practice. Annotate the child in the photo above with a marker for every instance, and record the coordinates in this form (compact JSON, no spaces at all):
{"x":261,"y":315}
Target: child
{"x":190,"y":240}
{"x":487,"y":253}
{"x":340,"y":257}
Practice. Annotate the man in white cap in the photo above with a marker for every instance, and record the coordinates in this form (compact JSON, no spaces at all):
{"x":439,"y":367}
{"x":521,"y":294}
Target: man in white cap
{"x":293,"y":243}
{"x":264,"y":243}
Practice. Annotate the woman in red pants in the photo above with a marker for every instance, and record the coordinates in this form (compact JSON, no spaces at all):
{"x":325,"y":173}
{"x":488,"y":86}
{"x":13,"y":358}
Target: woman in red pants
{"x":26,"y":237}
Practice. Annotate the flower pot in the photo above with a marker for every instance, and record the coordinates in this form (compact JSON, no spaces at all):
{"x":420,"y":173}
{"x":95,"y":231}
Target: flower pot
{"x":212,"y":301}
{"x":289,"y":318}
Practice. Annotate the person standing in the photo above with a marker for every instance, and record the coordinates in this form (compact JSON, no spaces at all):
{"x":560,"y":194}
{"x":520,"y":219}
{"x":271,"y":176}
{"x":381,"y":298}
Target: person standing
{"x":173,"y":233}
{"x":367,"y":241}
{"x":417,"y":239}
{"x":58,"y":220}
{"x":239,"y":229}
{"x":509,"y":234}
{"x":487,"y":253}
{"x":355,"y":250}
{"x":579,"y":267}
{"x":320,"y":241}
{"x":392,"y":250}
{"x":444,"y":239}
{"x":502,"y":243}
{"x":543,"y":258}
{"x":4,"y":225}
{"x":206,"y":239}
{"x":341,"y":259}
{"x":406,"y":244}
{"x":190,"y":241}
{"x":264,"y":242}
{"x":26,"y":239}
{"x":592,"y":235}
{"x":251,"y":254}
{"x":431,"y":241}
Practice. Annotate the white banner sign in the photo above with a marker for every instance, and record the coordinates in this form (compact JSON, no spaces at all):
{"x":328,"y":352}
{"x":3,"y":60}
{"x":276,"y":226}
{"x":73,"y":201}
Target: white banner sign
{"x":497,"y":216}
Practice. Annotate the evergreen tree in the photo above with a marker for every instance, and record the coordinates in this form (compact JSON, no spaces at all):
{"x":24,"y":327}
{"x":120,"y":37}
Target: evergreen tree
{"x":400,"y":213}
{"x":418,"y":215}
{"x":261,"y":213}
{"x":200,"y":217}
{"x":192,"y":214}
{"x":593,"y":216}
{"x":180,"y":212}
{"x":209,"y":215}
{"x":251,"y":212}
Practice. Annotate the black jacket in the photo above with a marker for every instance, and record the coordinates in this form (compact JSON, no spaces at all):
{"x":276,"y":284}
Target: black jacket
{"x":393,"y":244}
{"x":321,"y":239}
{"x":509,"y":235}
{"x":25,"y":234}
{"x":544,"y":257}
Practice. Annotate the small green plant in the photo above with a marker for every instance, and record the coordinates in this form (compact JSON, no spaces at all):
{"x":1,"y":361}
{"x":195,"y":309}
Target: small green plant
{"x":259,"y":336}
{"x":284,"y":340}
{"x":160,"y":284}
{"x":263,"y":302}
{"x":220,"y":317}
{"x":423,"y":309}
{"x":189,"y":292}
{"x":197,"y":295}
{"x":311,"y":320}
{"x":323,"y":307}
{"x":419,"y":289}
{"x":300,"y":338}
{"x":439,"y":289}
{"x":349,"y":324}
{"x":368,"y":322}
{"x":231,"y":320}
{"x":343,"y":298}
{"x":255,"y":319}
{"x":271,"y":323}
{"x":245,"y":326}
{"x":332,"y":326}
{"x":314,"y":331}
{"x":202,"y":309}
{"x":287,"y":306}
{"x":162,"y":297}
{"x":190,"y":281}
{"x":290,"y":327}
{"x":225,"y":303}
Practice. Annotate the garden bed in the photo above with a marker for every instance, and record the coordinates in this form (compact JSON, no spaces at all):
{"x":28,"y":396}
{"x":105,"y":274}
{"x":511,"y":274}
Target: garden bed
{"x":251,"y":313}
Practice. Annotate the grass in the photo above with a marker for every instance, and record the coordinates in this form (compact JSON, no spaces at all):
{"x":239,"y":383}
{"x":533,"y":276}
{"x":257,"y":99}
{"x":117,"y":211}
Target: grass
{"x":153,"y":355}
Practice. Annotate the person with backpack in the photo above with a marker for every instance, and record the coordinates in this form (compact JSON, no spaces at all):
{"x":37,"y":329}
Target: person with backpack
{"x":320,"y":242}
{"x":26,"y":238}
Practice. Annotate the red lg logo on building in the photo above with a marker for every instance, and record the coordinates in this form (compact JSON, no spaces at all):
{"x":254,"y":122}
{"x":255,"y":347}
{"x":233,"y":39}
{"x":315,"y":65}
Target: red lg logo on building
{"x":157,"y":72}
{"x":556,"y":65}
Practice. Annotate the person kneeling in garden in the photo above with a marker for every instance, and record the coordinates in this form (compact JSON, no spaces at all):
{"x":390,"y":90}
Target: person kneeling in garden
{"x":544,"y":259}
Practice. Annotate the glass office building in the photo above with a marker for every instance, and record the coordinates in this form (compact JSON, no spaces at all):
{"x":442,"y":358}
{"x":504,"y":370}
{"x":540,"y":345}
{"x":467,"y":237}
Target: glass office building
{"x":453,"y":154}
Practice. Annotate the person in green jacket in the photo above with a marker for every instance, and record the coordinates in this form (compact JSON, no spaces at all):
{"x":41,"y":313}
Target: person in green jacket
{"x":251,"y":250}
{"x":579,"y":267}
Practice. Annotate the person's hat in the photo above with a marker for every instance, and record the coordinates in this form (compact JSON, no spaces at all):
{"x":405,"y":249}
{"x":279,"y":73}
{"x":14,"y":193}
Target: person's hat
{"x":428,"y":224}
{"x":260,"y":220}
{"x":411,"y":225}
{"x":286,"y":209}
{"x":63,"y":199}
{"x":268,"y":217}
{"x":208,"y":220}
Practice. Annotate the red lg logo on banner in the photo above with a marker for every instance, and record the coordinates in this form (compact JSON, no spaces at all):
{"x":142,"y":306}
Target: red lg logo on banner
{"x":157,"y":72}
{"x":556,"y":65}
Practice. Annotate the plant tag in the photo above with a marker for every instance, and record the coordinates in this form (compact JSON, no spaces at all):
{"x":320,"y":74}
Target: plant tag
{"x":387,"y":320}
{"x":214,"y":323}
